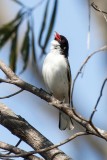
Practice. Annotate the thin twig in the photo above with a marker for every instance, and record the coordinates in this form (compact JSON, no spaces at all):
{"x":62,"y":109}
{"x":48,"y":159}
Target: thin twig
{"x":48,"y":148}
{"x":5,"y":80}
{"x":104,"y":48}
{"x":11,"y":95}
{"x":98,"y":9}
{"x":98,"y":100}
{"x":17,"y":144}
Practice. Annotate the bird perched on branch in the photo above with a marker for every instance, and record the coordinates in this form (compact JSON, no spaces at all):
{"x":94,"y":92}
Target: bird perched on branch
{"x":57,"y":76}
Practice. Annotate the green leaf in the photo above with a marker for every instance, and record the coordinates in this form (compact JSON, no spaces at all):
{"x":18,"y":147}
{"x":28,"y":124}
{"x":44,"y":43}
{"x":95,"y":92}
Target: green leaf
{"x":43,"y":25}
{"x":33,"y":45}
{"x":7,"y":30}
{"x":51,"y":25}
{"x":13,"y":53}
{"x":25,"y":50}
{"x":4,"y":38}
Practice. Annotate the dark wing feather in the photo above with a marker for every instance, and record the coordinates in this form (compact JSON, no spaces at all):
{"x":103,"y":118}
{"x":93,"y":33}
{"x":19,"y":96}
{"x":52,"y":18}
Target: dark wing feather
{"x":69,"y":80}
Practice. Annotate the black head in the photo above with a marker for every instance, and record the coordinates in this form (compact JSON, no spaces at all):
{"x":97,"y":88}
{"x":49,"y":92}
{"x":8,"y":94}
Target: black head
{"x":63,"y":44}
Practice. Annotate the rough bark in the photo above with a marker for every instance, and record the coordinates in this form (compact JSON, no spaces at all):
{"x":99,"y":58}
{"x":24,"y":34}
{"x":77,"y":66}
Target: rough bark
{"x":22,"y":129}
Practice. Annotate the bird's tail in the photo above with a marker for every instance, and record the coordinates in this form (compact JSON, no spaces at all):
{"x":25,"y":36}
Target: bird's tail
{"x":65,"y":121}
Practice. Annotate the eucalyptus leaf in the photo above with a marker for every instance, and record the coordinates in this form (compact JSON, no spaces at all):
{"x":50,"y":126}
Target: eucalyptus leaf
{"x":4,"y":38}
{"x":43,"y":25}
{"x":51,"y":25}
{"x":18,"y":2}
{"x":13,"y":52}
{"x":33,"y":45}
{"x":25,"y":50}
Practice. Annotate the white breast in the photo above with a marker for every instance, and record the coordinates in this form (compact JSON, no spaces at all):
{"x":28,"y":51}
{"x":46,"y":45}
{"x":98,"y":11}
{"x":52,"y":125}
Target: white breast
{"x":55,"y":75}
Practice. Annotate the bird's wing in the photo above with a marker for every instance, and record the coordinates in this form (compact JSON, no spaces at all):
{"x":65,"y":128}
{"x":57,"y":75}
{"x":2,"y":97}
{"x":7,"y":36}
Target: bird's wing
{"x":69,"y":80}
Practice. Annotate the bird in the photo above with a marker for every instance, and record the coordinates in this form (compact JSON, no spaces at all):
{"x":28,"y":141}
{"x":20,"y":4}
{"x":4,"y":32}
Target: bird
{"x":57,"y":76}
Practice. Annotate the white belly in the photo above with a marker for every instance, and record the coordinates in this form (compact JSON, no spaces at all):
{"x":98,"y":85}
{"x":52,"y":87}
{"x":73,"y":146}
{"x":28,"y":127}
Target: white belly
{"x":55,"y":76}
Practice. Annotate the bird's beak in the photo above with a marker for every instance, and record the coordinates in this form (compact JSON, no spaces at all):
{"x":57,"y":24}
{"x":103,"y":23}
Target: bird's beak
{"x":57,"y":36}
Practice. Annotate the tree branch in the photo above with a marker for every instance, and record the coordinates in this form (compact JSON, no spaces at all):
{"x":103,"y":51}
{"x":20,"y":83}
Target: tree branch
{"x":11,"y":95}
{"x":104,"y":48}
{"x":98,"y":100}
{"x":22,"y":129}
{"x":51,"y":147}
{"x":97,"y":8}
{"x":17,"y":144}
{"x":90,"y":128}
{"x":16,"y":150}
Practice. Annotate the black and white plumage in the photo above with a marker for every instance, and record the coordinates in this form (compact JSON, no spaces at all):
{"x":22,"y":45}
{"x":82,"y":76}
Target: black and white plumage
{"x":57,"y":76}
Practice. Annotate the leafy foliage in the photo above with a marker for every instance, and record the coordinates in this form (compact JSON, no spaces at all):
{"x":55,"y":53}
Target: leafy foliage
{"x":10,"y":30}
{"x":13,"y":53}
{"x":25,"y":50}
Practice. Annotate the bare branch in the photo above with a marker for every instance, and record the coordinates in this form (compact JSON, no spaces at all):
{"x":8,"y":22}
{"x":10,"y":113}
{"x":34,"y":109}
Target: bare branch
{"x":9,"y":73}
{"x":104,"y":48}
{"x":11,"y":95}
{"x":14,"y":79}
{"x":22,"y":129}
{"x":5,"y":81}
{"x":16,"y":145}
{"x":16,"y":150}
{"x":56,"y":103}
{"x":51,"y":147}
{"x":97,"y":8}
{"x":98,"y":100}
